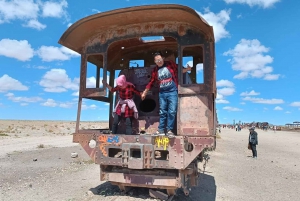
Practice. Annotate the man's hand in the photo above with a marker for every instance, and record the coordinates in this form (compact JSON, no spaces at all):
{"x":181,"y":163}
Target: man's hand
{"x":144,"y":93}
{"x":188,"y":68}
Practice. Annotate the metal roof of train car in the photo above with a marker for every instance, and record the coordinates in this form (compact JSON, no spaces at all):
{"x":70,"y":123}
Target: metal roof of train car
{"x":79,"y":33}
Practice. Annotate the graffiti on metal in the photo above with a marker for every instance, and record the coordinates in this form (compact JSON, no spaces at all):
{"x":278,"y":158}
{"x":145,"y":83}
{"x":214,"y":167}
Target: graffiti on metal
{"x":105,"y":140}
{"x":141,"y":72}
{"x":162,"y":141}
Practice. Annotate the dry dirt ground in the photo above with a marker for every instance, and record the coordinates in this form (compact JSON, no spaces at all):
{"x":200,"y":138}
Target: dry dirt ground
{"x":36,"y":164}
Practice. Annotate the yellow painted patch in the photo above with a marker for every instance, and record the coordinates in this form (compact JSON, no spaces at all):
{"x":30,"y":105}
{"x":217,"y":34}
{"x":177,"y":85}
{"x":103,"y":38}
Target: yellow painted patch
{"x":162,"y":142}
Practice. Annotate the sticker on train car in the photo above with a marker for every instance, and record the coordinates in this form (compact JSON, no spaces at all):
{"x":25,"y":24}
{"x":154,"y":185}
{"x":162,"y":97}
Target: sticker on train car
{"x":105,"y":140}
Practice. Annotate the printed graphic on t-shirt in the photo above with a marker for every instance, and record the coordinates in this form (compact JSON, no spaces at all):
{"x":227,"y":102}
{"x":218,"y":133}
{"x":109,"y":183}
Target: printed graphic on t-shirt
{"x":164,"y":77}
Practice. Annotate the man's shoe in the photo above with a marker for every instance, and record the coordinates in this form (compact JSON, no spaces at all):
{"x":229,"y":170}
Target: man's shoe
{"x":255,"y":157}
{"x":170,"y":134}
{"x":159,"y":133}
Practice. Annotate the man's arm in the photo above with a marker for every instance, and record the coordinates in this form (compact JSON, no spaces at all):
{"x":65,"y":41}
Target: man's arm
{"x":150,"y":84}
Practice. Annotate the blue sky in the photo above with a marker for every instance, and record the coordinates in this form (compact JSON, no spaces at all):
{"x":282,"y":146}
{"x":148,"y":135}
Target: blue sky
{"x":257,"y":46}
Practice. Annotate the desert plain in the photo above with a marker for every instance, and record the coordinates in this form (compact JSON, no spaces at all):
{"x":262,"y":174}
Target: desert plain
{"x":36,"y":164}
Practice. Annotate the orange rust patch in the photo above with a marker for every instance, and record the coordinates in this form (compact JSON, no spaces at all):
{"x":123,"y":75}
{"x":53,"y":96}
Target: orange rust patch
{"x":181,"y":30}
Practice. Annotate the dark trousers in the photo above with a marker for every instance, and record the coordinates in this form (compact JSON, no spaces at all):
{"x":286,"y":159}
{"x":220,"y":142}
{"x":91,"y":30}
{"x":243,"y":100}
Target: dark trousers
{"x":117,"y":120}
{"x":253,"y":148}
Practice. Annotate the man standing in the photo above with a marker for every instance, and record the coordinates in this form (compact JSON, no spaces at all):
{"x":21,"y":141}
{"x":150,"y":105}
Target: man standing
{"x":165,"y":73}
{"x":253,"y":141}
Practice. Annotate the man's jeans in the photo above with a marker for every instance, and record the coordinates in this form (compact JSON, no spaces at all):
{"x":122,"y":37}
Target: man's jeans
{"x":168,"y":102}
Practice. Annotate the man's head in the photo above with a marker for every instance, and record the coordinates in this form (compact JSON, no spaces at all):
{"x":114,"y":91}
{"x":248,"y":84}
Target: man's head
{"x":158,"y":59}
{"x":251,"y":129}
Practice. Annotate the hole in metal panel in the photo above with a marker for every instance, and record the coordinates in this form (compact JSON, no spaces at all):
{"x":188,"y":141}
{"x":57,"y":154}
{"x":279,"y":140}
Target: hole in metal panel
{"x":188,"y":147}
{"x":114,"y":153}
{"x":147,"y":105}
{"x":135,"y":153}
{"x":162,"y":155}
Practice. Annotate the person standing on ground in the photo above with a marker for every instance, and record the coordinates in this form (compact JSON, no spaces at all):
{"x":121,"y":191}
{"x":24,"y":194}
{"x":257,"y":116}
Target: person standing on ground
{"x":253,"y":141}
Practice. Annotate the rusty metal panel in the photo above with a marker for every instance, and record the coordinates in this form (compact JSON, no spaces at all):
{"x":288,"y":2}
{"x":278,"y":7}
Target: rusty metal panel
{"x":198,"y":144}
{"x":148,"y":156}
{"x":176,"y":153}
{"x":149,"y":180}
{"x":194,"y":116}
{"x":136,"y":161}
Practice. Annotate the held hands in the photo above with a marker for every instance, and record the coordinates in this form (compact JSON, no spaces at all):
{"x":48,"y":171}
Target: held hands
{"x":144,"y":93}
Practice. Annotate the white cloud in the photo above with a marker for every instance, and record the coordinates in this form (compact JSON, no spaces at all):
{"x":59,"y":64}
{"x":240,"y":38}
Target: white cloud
{"x":199,"y":67}
{"x":54,"y":9}
{"x":35,"y":24}
{"x":225,"y":83}
{"x":18,"y":9}
{"x":288,"y":112}
{"x":106,"y":104}
{"x":51,"y":53}
{"x":14,"y":98}
{"x":9,"y":84}
{"x":29,"y":11}
{"x":226,"y":91}
{"x":251,"y":3}
{"x":96,"y":11}
{"x":75,"y":93}
{"x":295,"y":104}
{"x":24,"y":104}
{"x":218,"y":21}
{"x":20,"y":50}
{"x":36,"y":67}
{"x":86,"y":107}
{"x":66,"y":105}
{"x":49,"y":103}
{"x":272,"y":77}
{"x":222,"y":101}
{"x":234,"y":109}
{"x":263,"y":101}
{"x":278,"y":108}
{"x":242,"y":103}
{"x":69,"y":24}
{"x":251,"y":93}
{"x":57,"y":80}
{"x":248,"y":58}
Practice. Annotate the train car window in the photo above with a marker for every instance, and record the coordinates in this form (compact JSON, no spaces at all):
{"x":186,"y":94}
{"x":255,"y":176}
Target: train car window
{"x":136,"y":63}
{"x":94,"y":73}
{"x":193,"y":57}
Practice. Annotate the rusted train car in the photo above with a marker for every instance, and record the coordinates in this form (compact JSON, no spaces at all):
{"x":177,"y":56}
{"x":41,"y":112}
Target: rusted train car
{"x":111,"y":41}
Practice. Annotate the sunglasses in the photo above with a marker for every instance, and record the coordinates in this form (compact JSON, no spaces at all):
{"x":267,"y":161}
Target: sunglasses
{"x":158,"y":60}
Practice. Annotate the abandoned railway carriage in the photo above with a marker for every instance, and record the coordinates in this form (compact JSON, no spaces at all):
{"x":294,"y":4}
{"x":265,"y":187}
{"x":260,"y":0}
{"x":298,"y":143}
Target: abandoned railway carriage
{"x":111,"y":41}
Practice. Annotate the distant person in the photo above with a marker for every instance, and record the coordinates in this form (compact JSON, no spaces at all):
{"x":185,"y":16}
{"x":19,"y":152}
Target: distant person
{"x":236,"y":127}
{"x":275,"y":129}
{"x":125,"y":107}
{"x":253,"y":141}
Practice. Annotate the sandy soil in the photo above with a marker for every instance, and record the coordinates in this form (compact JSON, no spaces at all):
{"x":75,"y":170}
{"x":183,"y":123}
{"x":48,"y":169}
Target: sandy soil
{"x":49,"y":173}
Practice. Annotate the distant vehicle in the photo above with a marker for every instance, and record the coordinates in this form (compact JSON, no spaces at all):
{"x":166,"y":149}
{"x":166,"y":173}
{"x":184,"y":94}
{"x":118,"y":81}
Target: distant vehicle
{"x":112,"y":41}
